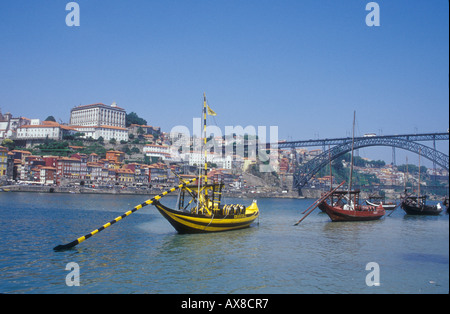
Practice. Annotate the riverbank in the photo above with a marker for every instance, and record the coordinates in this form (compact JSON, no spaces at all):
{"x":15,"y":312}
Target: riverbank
{"x":307,"y":193}
{"x":76,"y":190}
{"x":136,"y":191}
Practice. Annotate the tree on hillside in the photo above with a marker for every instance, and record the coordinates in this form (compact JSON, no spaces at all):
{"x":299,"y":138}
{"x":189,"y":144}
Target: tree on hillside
{"x":133,"y":118}
{"x":9,"y":143}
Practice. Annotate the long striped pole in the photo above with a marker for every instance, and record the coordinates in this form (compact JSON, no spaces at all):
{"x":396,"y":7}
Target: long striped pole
{"x":204,"y":139}
{"x":128,"y":213}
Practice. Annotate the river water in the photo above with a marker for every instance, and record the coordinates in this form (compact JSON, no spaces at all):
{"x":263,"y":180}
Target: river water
{"x":144,"y":254}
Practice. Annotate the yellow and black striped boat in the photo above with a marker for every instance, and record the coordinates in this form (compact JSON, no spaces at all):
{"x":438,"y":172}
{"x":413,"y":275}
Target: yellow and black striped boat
{"x":209,"y":215}
{"x":204,"y":212}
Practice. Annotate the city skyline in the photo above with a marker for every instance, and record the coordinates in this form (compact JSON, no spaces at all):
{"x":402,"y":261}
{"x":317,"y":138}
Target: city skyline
{"x":302,"y":66}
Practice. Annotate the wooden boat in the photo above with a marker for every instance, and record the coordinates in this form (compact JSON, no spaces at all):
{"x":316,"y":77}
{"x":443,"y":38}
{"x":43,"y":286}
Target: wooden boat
{"x":414,"y":205}
{"x":347,"y":207}
{"x":386,"y":206}
{"x":204,"y":211}
{"x":344,"y":206}
{"x":445,"y":203}
{"x":210,"y":215}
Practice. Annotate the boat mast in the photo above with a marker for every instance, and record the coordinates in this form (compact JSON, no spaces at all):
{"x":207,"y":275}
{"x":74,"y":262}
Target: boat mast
{"x":331,"y":172}
{"x":205,"y":175}
{"x":418,"y":190}
{"x":204,"y":143}
{"x":407,"y":174}
{"x":351,"y":161}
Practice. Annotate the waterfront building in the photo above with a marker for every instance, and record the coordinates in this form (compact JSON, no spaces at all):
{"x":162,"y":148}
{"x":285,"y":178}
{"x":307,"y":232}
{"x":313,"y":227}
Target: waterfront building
{"x":68,"y":168}
{"x":30,"y":166}
{"x":94,"y":171}
{"x":141,"y":173}
{"x":158,"y":173}
{"x":125,"y":176}
{"x":50,"y":161}
{"x":47,"y":175}
{"x":3,"y":161}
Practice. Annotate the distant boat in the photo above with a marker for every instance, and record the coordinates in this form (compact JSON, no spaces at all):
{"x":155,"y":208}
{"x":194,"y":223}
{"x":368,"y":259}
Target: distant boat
{"x":414,"y":205}
{"x":446,"y":204}
{"x":386,"y":206}
{"x":345,"y":206}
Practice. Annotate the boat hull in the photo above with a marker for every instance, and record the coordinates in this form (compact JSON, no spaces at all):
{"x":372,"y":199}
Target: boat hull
{"x":424,"y":210}
{"x":192,"y":223}
{"x":365,"y":213}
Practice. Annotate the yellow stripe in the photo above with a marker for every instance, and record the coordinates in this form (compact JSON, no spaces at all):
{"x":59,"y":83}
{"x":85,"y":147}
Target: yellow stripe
{"x":211,"y":228}
{"x":81,"y":239}
{"x":193,"y":222}
{"x":138,"y":207}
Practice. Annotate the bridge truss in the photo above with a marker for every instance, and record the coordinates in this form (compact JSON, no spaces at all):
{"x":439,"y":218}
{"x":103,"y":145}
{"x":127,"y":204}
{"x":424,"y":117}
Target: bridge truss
{"x":343,"y":146}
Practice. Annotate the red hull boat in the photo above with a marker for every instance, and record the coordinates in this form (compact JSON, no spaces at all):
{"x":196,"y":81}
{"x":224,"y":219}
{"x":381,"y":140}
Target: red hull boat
{"x":352,"y":213}
{"x":344,"y":206}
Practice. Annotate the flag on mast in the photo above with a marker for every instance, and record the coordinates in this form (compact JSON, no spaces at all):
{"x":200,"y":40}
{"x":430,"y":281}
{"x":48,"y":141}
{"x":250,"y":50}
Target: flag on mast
{"x":210,"y":111}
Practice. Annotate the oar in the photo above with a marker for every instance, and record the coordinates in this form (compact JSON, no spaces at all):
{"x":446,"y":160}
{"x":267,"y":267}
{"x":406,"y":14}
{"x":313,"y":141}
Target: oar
{"x":148,"y":202}
{"x":401,"y":201}
{"x":320,"y":200}
{"x":312,"y":205}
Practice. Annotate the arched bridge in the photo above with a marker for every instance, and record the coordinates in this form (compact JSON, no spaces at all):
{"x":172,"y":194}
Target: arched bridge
{"x":344,"y":145}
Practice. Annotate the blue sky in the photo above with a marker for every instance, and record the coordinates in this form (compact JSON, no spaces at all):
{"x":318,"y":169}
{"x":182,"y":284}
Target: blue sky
{"x":303,"y":66}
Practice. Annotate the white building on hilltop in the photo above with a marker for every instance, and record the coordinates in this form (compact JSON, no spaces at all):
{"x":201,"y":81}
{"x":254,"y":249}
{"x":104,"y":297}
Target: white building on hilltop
{"x":98,"y":115}
{"x":100,"y":120}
